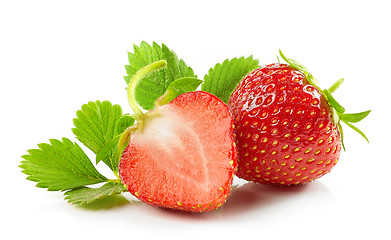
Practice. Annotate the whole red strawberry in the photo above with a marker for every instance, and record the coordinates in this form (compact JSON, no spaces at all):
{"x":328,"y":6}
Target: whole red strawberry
{"x":287,"y":130}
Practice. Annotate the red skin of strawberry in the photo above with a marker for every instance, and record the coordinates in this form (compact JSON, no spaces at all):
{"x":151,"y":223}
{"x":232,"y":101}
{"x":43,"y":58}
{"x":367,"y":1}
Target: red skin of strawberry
{"x":183,"y":154}
{"x":284,"y":128}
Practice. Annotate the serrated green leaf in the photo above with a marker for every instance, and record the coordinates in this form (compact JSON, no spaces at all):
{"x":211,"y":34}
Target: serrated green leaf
{"x":60,"y":166}
{"x":178,"y":87}
{"x":357,"y":130}
{"x":354,"y":117}
{"x":85,"y":195}
{"x":155,"y":84}
{"x":96,"y":124}
{"x":106,"y":149}
{"x":223,"y":78}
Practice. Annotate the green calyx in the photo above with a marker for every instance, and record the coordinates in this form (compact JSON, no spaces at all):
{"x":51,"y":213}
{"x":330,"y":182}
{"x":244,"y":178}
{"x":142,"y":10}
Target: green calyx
{"x":339,"y":114}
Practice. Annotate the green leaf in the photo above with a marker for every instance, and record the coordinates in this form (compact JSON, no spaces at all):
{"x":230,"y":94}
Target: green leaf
{"x":357,"y":130}
{"x":155,"y":84}
{"x":333,"y":102}
{"x":109,"y":147}
{"x":176,"y":88}
{"x":85,"y":195}
{"x":354,"y":117}
{"x":60,"y":166}
{"x":96,"y":124}
{"x":223,"y":78}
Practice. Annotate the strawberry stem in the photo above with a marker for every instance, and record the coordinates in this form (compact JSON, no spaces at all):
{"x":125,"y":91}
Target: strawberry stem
{"x":140,"y":74}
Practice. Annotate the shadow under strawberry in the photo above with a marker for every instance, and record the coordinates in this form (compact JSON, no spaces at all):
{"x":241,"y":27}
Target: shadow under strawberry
{"x":255,"y":197}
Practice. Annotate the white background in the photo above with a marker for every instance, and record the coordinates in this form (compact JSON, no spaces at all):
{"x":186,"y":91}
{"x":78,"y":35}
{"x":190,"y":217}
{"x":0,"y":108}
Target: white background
{"x":57,"y":55}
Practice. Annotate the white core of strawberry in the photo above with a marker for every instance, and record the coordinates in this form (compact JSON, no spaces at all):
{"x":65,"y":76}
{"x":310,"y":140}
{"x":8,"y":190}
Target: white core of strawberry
{"x":170,"y":137}
{"x":158,"y":126}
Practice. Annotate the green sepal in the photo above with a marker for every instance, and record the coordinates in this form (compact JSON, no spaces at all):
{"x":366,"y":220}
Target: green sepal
{"x":356,"y":129}
{"x":333,"y":102}
{"x":176,"y":88}
{"x":354,"y":117}
{"x":341,"y":134}
{"x":335,"y":116}
{"x":312,"y":80}
{"x":336,"y":85}
{"x":295,"y":64}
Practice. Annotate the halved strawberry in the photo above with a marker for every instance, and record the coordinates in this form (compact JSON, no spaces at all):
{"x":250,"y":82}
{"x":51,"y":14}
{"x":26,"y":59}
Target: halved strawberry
{"x":182,"y":155}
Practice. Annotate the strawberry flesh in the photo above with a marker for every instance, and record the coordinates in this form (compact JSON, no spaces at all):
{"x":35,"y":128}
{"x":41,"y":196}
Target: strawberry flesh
{"x":182,"y":155}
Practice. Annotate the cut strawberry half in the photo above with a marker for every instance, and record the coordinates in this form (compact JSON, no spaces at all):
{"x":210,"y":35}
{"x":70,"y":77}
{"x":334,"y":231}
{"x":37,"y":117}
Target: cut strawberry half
{"x":182,"y":155}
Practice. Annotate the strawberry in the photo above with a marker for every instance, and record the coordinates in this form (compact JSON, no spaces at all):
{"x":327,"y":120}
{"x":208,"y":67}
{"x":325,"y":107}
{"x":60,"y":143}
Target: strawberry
{"x":287,"y":130}
{"x":182,"y":155}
